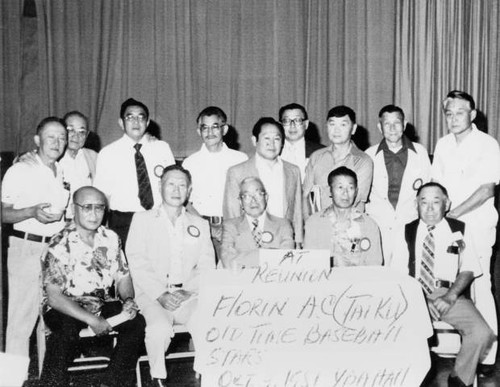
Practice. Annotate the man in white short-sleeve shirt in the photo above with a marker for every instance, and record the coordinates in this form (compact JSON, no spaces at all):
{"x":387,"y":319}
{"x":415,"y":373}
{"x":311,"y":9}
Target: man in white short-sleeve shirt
{"x":467,"y":163}
{"x":208,"y":168}
{"x":118,"y":174}
{"x":33,"y":200}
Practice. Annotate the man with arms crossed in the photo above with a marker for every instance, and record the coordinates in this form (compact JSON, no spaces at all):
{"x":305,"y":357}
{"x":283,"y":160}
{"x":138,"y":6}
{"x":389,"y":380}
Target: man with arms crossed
{"x":167,"y":249}
{"x":440,"y":254}
{"x":400,"y":167}
{"x":209,"y":167}
{"x":296,"y":149}
{"x":341,"y":125}
{"x":34,"y":200}
{"x":129,"y":169}
{"x":83,"y":262}
{"x":467,"y":163}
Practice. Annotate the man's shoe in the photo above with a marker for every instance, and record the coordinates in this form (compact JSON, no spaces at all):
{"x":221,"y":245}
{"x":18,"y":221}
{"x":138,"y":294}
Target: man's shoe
{"x":485,"y":370}
{"x":157,"y":382}
{"x":455,"y":381}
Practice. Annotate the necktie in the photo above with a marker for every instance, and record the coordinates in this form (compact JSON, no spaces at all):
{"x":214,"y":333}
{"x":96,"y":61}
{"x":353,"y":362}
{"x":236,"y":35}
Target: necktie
{"x":145,"y":193}
{"x":426,"y":277}
{"x":257,"y":235}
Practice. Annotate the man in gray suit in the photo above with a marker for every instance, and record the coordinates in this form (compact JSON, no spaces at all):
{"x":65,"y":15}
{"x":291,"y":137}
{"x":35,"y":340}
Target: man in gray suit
{"x":242,"y":237}
{"x":281,"y":179}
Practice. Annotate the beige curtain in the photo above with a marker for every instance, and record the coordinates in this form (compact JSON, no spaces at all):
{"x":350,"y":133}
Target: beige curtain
{"x":443,"y":45}
{"x":247,"y":56}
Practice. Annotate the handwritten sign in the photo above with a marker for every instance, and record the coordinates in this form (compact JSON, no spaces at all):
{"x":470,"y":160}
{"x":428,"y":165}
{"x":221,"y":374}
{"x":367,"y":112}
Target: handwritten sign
{"x":292,"y":325}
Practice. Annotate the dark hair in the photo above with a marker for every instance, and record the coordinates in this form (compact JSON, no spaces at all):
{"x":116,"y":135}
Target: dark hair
{"x":257,"y":128}
{"x":341,"y":111}
{"x":78,"y":114}
{"x":212,"y":111}
{"x":132,"y":102}
{"x":433,"y":184}
{"x":457,"y":94}
{"x":292,"y":106}
{"x":391,"y":109}
{"x":175,"y":167}
{"x":48,"y":120}
{"x":342,"y":171}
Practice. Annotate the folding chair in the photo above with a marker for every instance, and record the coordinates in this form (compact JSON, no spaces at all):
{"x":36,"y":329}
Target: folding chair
{"x":178,"y":329}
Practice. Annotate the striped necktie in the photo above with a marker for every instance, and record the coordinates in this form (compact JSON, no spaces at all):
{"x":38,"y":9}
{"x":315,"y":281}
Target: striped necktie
{"x":256,"y":234}
{"x":145,"y":193}
{"x":426,"y":275}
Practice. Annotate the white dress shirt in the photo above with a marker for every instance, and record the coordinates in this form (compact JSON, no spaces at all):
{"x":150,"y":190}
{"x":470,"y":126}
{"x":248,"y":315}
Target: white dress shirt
{"x":295,"y":153}
{"x":273,"y":179}
{"x":116,"y":173}
{"x":208,"y":171}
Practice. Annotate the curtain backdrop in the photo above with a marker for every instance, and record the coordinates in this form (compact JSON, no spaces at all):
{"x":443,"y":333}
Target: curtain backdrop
{"x":443,"y":45}
{"x":248,"y":57}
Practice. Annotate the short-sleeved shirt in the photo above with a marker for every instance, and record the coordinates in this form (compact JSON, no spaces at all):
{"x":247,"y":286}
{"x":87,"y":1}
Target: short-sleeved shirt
{"x":322,"y":162}
{"x":448,"y":262}
{"x":116,"y":173}
{"x":208,"y":171}
{"x":28,"y":184}
{"x":463,"y":167}
{"x":83,"y":273}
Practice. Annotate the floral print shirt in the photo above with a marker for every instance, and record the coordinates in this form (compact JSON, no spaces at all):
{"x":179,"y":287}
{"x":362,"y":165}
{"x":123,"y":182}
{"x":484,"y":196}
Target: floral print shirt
{"x":84,"y":273}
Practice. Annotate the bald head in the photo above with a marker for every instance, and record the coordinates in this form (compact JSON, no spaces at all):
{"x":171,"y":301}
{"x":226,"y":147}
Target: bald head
{"x":83,"y":192}
{"x":89,"y":206}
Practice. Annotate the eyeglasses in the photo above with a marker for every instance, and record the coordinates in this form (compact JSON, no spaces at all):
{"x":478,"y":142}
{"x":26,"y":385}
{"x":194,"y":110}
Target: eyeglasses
{"x":214,"y":128}
{"x":139,"y":118}
{"x":296,"y":121}
{"x":79,"y":133}
{"x":88,"y":208}
{"x":247,"y":197}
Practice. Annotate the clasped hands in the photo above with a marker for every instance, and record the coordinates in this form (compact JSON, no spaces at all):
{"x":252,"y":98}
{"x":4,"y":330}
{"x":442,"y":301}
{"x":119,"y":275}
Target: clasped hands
{"x":173,"y":300}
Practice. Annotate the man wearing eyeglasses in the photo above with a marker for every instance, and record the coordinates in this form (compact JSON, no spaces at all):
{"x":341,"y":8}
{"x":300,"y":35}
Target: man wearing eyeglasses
{"x":209,"y":167}
{"x":242,"y":237}
{"x":129,"y":169}
{"x":82,"y":263}
{"x":296,"y":149}
{"x":33,"y":200}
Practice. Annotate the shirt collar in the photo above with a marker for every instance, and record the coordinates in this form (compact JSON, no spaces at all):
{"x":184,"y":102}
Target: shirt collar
{"x":205,"y":150}
{"x":299,"y":144}
{"x":407,"y":144}
{"x":261,"y":218}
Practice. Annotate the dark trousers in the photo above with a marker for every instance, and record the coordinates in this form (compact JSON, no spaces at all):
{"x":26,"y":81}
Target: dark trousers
{"x":119,"y":222}
{"x":63,"y":343}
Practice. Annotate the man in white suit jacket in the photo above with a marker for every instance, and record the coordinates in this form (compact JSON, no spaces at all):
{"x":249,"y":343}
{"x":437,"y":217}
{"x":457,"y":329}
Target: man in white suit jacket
{"x":167,"y":248}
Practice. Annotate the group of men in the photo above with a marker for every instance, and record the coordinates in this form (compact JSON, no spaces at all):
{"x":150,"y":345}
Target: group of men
{"x":173,"y":222}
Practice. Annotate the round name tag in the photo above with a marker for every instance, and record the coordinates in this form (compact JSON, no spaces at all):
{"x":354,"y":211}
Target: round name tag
{"x":267,"y":237}
{"x":365,"y":244}
{"x":194,"y":231}
{"x":417,"y":184}
{"x":158,"y":170}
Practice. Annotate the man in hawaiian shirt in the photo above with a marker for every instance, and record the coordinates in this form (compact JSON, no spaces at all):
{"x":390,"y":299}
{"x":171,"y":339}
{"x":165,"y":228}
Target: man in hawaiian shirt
{"x":352,"y":237}
{"x":82,"y":263}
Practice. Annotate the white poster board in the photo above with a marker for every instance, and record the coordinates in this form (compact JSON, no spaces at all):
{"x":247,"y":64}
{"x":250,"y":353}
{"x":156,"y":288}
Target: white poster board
{"x":297,"y":326}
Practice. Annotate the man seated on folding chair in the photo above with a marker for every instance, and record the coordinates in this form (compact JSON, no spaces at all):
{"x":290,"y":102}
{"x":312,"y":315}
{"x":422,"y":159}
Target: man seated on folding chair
{"x":243,"y":236}
{"x":81,"y":265}
{"x":167,"y":248}
{"x":442,"y":258}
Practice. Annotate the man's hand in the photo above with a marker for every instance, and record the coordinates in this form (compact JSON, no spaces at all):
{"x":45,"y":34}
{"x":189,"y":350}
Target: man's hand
{"x":40,"y":214}
{"x":130,"y":307}
{"x":27,"y":157}
{"x":100,"y":326}
{"x":172,"y":301}
{"x":441,"y":305}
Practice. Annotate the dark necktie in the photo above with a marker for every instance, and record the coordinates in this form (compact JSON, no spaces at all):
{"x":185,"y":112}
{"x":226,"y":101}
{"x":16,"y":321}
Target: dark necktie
{"x":426,"y":277}
{"x":257,"y":235}
{"x":145,"y":193}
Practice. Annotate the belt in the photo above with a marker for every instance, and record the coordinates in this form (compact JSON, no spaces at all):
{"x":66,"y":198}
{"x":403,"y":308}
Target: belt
{"x":213,"y":219}
{"x":30,"y":237}
{"x":443,"y":284}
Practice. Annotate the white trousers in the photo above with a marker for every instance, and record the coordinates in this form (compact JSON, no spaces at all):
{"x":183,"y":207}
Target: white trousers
{"x":159,"y":331}
{"x":23,"y":265}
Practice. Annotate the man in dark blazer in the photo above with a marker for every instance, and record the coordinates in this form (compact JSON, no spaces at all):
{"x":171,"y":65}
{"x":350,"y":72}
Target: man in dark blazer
{"x":296,"y":149}
{"x":281,"y":179}
{"x":242,"y":237}
{"x":443,"y":259}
